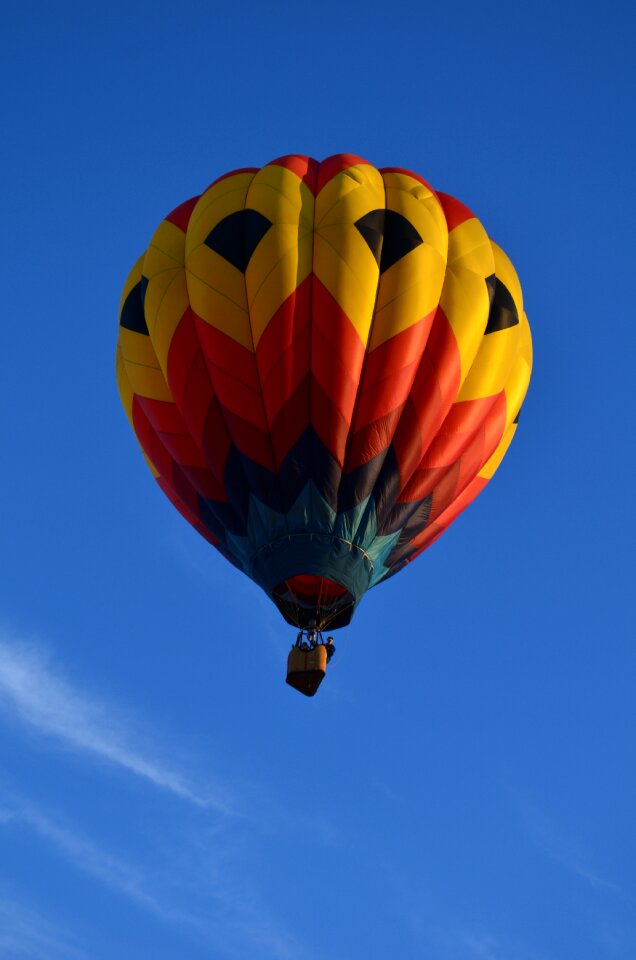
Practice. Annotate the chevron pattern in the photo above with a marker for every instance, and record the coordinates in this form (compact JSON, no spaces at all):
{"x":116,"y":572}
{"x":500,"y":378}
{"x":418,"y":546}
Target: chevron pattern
{"x":324,"y":364}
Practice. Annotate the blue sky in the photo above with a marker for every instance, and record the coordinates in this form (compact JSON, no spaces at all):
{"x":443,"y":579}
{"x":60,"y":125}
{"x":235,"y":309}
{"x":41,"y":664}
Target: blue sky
{"x":464,"y":784}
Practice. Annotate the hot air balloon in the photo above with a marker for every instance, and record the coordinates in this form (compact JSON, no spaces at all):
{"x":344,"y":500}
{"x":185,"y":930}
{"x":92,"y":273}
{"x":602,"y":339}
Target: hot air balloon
{"x":323,"y":364}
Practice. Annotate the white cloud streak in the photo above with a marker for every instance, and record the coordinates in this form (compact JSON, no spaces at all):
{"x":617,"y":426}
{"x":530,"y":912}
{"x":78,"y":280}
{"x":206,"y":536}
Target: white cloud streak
{"x":26,"y":935}
{"x":218,"y":912}
{"x":203,"y":890}
{"x":565,"y":850}
{"x":35,"y":693}
{"x":86,"y":856}
{"x":482,"y":946}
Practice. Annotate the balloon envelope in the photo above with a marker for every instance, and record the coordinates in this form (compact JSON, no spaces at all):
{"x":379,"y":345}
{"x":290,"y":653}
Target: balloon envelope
{"x":323,"y":364}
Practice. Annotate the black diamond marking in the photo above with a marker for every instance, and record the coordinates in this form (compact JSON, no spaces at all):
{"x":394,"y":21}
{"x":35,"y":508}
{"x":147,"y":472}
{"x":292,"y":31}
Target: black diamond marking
{"x":132,"y":313}
{"x":503,"y":311}
{"x":389,"y":236}
{"x":516,"y":419}
{"x":237,"y":236}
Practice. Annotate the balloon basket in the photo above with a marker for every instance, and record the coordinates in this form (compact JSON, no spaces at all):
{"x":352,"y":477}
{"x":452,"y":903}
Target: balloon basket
{"x":306,"y":668}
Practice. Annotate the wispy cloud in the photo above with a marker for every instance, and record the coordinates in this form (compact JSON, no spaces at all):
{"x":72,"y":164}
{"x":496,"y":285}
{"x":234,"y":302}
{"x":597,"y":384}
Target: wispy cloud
{"x":387,"y":791}
{"x":198,"y":875}
{"x":26,"y":935}
{"x":204,"y":902}
{"x":443,"y":934}
{"x":483,"y":947}
{"x":86,"y":856}
{"x":33,"y":691}
{"x":564,"y":849}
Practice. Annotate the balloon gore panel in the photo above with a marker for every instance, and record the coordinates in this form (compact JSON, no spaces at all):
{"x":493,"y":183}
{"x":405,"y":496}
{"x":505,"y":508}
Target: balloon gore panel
{"x":323,"y":364}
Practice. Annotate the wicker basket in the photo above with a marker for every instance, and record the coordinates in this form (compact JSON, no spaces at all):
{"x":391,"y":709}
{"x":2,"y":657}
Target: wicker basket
{"x":306,"y":668}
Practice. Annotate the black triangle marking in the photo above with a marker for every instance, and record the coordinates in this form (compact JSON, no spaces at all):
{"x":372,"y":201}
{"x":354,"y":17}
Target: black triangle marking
{"x":371,"y":226}
{"x":400,"y":237}
{"x":132,"y":313}
{"x":237,"y":236}
{"x":389,"y":236}
{"x":503,"y":311}
{"x":491,"y":283}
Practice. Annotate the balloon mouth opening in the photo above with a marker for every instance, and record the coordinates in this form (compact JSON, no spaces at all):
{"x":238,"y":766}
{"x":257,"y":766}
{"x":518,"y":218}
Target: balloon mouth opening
{"x":306,"y":599}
